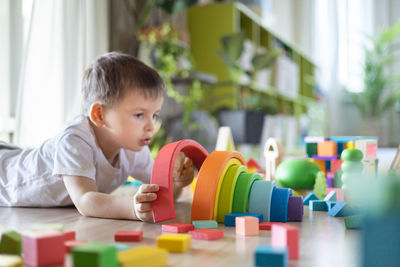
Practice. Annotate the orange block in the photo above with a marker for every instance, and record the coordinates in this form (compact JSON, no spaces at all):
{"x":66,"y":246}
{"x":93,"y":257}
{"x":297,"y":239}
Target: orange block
{"x":321,"y":164}
{"x":327,"y":148}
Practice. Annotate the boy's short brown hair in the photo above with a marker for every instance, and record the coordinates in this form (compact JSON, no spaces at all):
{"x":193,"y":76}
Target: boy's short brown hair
{"x":111,"y":75}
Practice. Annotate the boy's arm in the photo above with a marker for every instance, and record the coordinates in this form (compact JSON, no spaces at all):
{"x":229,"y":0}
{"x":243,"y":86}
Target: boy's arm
{"x":89,"y":202}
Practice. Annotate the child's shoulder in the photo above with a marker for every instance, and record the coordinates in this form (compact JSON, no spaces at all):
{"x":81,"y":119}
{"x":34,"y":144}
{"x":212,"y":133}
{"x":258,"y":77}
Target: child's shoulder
{"x":77,"y":128}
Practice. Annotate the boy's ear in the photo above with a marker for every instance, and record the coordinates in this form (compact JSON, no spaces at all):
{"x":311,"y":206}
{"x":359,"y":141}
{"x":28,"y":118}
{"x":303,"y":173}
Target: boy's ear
{"x":96,"y":114}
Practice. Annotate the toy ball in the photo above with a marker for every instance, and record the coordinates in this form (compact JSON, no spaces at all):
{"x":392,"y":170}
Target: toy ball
{"x":297,"y":174}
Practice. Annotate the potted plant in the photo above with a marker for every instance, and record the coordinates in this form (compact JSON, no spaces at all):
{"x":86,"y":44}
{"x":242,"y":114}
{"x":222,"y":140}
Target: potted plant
{"x":381,"y":87}
{"x":253,"y":105}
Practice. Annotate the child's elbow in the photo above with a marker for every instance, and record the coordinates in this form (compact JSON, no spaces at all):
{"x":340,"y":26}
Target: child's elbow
{"x":83,"y":205}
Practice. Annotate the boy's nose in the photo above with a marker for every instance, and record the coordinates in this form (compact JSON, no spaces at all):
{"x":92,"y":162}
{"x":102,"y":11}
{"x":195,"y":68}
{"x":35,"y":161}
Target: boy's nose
{"x":150,"y":126}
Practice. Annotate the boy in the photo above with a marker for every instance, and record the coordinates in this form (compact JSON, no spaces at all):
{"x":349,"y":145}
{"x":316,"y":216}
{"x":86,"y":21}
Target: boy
{"x":122,"y":98}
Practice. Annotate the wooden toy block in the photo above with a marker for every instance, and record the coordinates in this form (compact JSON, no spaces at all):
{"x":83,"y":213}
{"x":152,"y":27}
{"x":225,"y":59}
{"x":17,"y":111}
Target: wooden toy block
{"x":330,"y":180}
{"x":43,"y":248}
{"x":10,"y":261}
{"x":353,"y":222}
{"x":368,"y":148}
{"x":163,"y":207}
{"x":252,"y":163}
{"x":336,"y":165}
{"x":143,"y":256}
{"x":266,"y":225}
{"x":225,"y":139}
{"x":207,"y":234}
{"x":339,"y":193}
{"x":350,"y":144}
{"x":331,"y":196}
{"x":11,"y":243}
{"x":247,"y":225}
{"x":95,"y":254}
{"x":273,"y":154}
{"x":177,"y":227}
{"x":242,"y":191}
{"x":295,"y":209}
{"x":315,"y":139}
{"x":341,"y":209}
{"x":201,"y":224}
{"x":283,"y":235}
{"x":268,"y":256}
{"x":69,"y":235}
{"x":318,"y":205}
{"x":51,"y":226}
{"x":312,"y":149}
{"x":327,"y":160}
{"x":128,"y":236}
{"x":71,"y":244}
{"x":337,"y":183}
{"x":330,"y":204}
{"x":120,"y":246}
{"x":279,"y":204}
{"x":174,"y":242}
{"x":327,"y":148}
{"x":230,"y":219}
{"x":260,"y":198}
{"x":321,"y":164}
{"x":308,"y":198}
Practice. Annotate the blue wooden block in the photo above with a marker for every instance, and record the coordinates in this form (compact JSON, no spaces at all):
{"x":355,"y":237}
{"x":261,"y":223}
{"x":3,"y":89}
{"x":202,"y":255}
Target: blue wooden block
{"x":309,"y":197}
{"x":279,"y":204}
{"x":380,"y":241}
{"x":330,"y":204}
{"x":341,"y":209}
{"x":230,"y":219}
{"x":268,"y":256}
{"x":318,"y":205}
{"x":208,"y":224}
{"x":331,"y":196}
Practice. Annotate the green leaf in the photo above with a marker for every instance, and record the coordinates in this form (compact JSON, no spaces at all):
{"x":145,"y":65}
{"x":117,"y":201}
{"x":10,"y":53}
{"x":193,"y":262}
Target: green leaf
{"x":265,"y":60}
{"x":233,"y":45}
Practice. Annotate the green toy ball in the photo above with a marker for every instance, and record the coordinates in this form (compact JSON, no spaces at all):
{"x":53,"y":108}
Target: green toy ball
{"x":351,"y":154}
{"x":297,"y":174}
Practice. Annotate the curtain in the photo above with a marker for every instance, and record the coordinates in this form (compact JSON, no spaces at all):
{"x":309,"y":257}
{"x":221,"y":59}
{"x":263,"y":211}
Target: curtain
{"x":63,"y":38}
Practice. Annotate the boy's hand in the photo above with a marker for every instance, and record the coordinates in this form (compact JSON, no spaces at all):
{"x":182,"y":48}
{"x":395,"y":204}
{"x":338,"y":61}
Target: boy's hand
{"x":142,"y":201}
{"x":183,"y":171}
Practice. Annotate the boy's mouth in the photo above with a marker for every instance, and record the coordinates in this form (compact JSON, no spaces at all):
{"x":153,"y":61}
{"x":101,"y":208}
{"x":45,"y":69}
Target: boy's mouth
{"x":145,"y":141}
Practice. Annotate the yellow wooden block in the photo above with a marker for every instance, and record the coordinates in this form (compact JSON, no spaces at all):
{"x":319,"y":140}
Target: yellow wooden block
{"x":300,"y":192}
{"x":350,"y":144}
{"x":143,"y":256}
{"x":10,"y":261}
{"x":174,"y":242}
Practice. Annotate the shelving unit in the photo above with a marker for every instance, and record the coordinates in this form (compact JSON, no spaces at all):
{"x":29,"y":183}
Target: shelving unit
{"x":208,"y":23}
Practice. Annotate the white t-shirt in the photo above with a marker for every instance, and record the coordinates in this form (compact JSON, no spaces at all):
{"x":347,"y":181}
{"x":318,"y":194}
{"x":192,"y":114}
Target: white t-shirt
{"x":32,"y":177}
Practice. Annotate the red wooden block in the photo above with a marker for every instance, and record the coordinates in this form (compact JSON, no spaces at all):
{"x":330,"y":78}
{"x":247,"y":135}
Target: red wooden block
{"x":267,"y":225}
{"x":69,"y":235}
{"x":283,"y":235}
{"x":70,"y":244}
{"x":336,"y":165}
{"x":207,"y":234}
{"x":163,"y":207}
{"x":43,"y":248}
{"x":177,"y":227}
{"x":339,"y":193}
{"x":128,"y":236}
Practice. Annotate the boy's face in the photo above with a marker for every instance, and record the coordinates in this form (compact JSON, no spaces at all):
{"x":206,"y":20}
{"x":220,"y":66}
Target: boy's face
{"x":131,"y":122}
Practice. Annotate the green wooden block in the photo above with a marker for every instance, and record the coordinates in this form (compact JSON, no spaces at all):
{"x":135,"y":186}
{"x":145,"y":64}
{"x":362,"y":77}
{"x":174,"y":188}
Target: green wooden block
{"x":95,"y":254}
{"x":312,"y":149}
{"x":337,"y":182}
{"x":353,"y":222}
{"x":208,"y":224}
{"x":53,"y":226}
{"x":11,"y":243}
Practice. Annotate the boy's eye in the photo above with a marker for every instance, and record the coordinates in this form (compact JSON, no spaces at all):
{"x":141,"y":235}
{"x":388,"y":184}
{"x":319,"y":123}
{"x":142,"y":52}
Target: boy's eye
{"x":138,"y":115}
{"x":156,"y":117}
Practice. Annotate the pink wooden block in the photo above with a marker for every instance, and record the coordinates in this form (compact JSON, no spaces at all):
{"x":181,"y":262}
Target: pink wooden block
{"x":177,"y":227}
{"x":207,"y":234}
{"x":43,"y":248}
{"x":69,"y":235}
{"x":247,"y":225}
{"x":336,"y":165}
{"x":283,"y":235}
{"x":128,"y":236}
{"x":71,"y":244}
{"x":339,"y":193}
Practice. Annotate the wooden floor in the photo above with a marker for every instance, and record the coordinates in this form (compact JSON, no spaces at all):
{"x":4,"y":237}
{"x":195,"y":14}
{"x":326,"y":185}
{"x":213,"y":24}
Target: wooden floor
{"x":324,"y":240}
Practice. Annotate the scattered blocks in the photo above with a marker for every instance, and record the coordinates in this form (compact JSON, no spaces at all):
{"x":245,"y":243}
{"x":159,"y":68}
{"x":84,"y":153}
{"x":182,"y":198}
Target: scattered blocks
{"x":318,"y":205}
{"x":353,"y":222}
{"x":43,"y":248}
{"x":177,"y":227}
{"x":207,"y":234}
{"x":230,"y":219}
{"x":339,"y":193}
{"x":330,"y":204}
{"x":71,"y":244}
{"x":309,"y":197}
{"x":209,"y":224}
{"x":247,"y":225}
{"x":279,"y":204}
{"x":128,"y":236}
{"x":11,"y":243}
{"x":174,"y":242}
{"x":341,"y":209}
{"x":331,"y":196}
{"x":143,"y":256}
{"x":69,"y":235}
{"x":268,"y":256}
{"x":283,"y":235}
{"x":95,"y":254}
{"x":10,"y":261}
{"x":295,"y":209}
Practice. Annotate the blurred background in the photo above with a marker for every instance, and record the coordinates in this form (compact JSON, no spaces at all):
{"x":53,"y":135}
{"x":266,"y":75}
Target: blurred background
{"x":283,"y":69}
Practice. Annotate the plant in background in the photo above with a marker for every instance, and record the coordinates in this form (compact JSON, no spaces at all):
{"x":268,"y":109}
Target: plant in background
{"x":381,"y":88}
